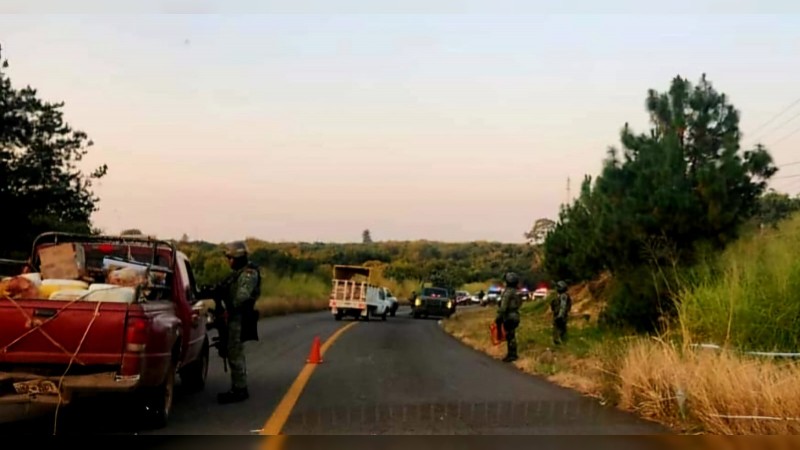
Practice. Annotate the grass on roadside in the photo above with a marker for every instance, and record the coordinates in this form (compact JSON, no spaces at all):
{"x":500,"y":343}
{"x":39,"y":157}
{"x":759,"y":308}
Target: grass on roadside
{"x":293,"y":294}
{"x":579,"y":363}
{"x":268,"y":307}
{"x":748,"y":298}
{"x":649,"y":376}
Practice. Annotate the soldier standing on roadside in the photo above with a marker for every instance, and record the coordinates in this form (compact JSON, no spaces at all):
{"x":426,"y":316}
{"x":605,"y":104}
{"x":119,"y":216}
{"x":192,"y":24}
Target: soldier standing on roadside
{"x":560,"y":305}
{"x":508,"y":314}
{"x":242,"y":318}
{"x":411,"y":300}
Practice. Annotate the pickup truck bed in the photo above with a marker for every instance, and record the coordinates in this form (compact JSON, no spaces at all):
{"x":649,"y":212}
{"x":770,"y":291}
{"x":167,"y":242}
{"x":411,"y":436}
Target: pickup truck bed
{"x":53,"y":351}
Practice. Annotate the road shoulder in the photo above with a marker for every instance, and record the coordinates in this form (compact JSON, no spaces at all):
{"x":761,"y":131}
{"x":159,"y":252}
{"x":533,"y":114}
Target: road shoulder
{"x":584,"y":364}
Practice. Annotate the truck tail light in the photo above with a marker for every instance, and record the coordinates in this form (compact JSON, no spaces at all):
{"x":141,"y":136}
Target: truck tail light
{"x":135,"y":340}
{"x":136,"y":335}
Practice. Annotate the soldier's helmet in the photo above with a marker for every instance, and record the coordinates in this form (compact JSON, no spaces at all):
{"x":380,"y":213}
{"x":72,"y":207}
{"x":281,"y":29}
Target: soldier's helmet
{"x":236,"y":249}
{"x":511,"y":279}
{"x":561,"y":286}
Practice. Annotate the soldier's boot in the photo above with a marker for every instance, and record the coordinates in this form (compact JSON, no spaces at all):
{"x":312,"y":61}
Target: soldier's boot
{"x":511,"y":356}
{"x":233,"y":396}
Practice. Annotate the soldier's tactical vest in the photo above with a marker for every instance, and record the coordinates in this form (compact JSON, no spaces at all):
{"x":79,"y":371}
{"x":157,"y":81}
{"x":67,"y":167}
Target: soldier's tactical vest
{"x":249,"y":314}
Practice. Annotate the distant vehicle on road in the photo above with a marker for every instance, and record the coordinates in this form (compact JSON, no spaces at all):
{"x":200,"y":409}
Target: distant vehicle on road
{"x":540,"y":294}
{"x":355,"y":296}
{"x":462,"y":297}
{"x":492,"y":296}
{"x":433,"y":301}
{"x":541,"y":291}
{"x":394,"y":303}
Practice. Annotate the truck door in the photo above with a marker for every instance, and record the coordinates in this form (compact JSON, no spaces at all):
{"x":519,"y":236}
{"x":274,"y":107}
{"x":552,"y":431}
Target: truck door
{"x":194,"y":325}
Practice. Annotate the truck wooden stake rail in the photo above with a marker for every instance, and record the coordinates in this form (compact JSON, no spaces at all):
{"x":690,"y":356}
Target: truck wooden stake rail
{"x":354,"y":295}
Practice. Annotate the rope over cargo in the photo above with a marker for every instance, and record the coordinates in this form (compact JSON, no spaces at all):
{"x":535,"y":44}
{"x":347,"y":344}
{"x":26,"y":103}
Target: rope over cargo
{"x":73,"y":356}
{"x":37,"y":325}
{"x":71,"y":360}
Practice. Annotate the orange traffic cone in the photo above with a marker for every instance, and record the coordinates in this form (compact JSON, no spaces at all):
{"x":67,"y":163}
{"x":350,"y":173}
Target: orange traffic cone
{"x":314,"y":357}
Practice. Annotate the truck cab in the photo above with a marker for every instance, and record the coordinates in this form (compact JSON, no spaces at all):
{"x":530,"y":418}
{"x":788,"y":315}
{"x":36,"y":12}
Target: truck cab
{"x":392,"y":302}
{"x":433,"y":301}
{"x":102,"y":315}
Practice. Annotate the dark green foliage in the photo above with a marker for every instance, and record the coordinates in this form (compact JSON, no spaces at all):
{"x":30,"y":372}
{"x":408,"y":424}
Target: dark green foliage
{"x":42,"y":187}
{"x":685,"y":183}
{"x":774,"y":207}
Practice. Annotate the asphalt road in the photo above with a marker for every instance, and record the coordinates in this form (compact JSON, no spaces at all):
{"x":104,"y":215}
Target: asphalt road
{"x":402,"y":376}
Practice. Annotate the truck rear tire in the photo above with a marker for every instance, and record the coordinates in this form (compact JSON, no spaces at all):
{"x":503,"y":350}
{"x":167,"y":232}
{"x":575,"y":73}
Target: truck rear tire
{"x":193,"y":376}
{"x":157,"y":402}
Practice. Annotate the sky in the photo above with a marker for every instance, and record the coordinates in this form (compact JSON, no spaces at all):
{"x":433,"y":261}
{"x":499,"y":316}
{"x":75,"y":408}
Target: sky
{"x":313,"y":121}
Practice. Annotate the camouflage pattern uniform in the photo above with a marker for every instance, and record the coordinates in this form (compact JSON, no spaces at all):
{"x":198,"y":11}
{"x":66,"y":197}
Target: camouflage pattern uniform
{"x":508,"y":314}
{"x":243,"y":291}
{"x":560,"y":306}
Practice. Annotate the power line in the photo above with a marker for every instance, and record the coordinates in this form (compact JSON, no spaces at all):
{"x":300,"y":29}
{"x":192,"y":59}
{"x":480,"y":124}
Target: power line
{"x":792,"y":185}
{"x":787,"y":176}
{"x":785,"y":123}
{"x":795,"y":131}
{"x":776,"y":116}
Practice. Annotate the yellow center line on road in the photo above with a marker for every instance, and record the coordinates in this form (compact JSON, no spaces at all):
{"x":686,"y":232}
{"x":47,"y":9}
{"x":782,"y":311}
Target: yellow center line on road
{"x":281,"y":413}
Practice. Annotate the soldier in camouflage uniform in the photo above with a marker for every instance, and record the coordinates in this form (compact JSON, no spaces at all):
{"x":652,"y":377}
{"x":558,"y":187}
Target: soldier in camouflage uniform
{"x":560,"y":306}
{"x":508,"y":314}
{"x":242,"y":293}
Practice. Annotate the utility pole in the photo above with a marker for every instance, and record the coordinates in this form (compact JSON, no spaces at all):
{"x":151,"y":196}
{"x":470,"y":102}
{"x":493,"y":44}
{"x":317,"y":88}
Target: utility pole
{"x":569,"y":197}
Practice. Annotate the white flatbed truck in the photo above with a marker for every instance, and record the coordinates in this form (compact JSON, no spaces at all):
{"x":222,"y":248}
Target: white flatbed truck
{"x":354,"y":295}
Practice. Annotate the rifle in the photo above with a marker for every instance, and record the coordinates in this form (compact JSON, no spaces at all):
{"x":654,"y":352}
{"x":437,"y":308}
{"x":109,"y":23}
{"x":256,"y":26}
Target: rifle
{"x":217,"y":293}
{"x":221,"y":340}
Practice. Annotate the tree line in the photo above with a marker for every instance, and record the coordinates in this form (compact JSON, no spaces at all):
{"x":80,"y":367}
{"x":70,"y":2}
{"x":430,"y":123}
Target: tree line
{"x":452,"y":264}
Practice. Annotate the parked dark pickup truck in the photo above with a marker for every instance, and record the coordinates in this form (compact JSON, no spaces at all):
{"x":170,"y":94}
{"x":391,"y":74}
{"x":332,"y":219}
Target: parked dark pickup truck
{"x":54,"y":350}
{"x":433,"y":301}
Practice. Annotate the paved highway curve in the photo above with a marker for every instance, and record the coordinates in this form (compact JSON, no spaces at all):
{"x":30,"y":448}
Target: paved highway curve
{"x":402,"y":376}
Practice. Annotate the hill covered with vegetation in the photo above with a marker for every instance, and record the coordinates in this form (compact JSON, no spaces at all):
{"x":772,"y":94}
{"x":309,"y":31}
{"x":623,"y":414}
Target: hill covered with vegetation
{"x":303,"y":270}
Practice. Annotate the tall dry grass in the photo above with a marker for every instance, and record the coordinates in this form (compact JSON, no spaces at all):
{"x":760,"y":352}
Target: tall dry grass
{"x":716,"y":392}
{"x":297,"y":286}
{"x":292,"y":294}
{"x":744,"y":299}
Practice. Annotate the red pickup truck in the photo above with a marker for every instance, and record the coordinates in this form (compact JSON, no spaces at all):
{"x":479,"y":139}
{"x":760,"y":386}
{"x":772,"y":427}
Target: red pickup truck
{"x":53,"y":351}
